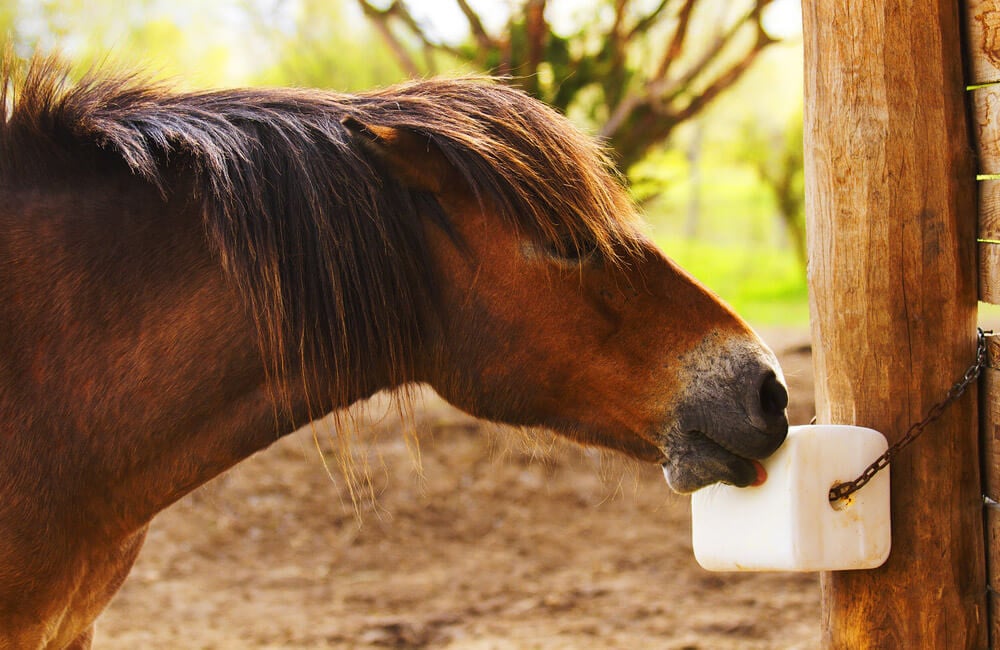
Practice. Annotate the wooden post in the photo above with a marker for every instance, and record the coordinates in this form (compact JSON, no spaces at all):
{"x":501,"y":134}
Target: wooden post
{"x":891,"y":203}
{"x":990,"y":452}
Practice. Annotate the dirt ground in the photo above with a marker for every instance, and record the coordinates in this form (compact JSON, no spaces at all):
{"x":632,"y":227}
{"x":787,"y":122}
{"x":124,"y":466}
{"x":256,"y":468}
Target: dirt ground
{"x":491,"y":541}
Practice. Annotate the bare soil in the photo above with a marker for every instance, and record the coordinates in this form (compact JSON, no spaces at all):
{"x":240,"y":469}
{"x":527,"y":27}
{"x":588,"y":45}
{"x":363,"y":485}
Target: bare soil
{"x":484,"y":539}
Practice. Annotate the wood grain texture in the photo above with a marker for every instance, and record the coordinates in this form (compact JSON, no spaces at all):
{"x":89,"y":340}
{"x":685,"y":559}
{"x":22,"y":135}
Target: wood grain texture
{"x":986,"y":127}
{"x":989,"y":273}
{"x":990,"y":424}
{"x":989,"y":252}
{"x":989,"y":445}
{"x":891,"y":204}
{"x":983,"y":40}
{"x":993,"y":572}
{"x":989,"y":210}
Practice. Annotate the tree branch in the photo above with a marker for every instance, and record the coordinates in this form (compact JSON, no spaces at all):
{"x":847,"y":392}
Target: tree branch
{"x":725,"y":80}
{"x":536,"y":33}
{"x":476,"y":26}
{"x":642,"y":109}
{"x":620,"y":115}
{"x":653,"y":112}
{"x":616,"y":27}
{"x":670,"y":89}
{"x":646,"y":22}
{"x":614,"y":73}
{"x":379,"y":19}
{"x":401,"y":11}
{"x":398,"y":9}
{"x":676,"y":46}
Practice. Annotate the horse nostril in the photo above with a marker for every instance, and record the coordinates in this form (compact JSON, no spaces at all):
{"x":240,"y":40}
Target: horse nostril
{"x":773,"y":396}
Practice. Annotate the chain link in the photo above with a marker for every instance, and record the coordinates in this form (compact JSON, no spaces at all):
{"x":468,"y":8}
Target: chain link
{"x":844,"y":490}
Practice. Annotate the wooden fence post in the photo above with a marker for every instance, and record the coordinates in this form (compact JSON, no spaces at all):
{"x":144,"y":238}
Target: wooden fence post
{"x":891,"y":203}
{"x":983,"y":63}
{"x":990,"y":452}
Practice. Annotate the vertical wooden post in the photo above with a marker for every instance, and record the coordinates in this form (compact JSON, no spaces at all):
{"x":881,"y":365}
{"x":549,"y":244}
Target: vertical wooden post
{"x":891,"y":204}
{"x":989,"y":426}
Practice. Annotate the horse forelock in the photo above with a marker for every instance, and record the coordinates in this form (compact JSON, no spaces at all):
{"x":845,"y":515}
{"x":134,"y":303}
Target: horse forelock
{"x":326,"y":250}
{"x":521,"y":157}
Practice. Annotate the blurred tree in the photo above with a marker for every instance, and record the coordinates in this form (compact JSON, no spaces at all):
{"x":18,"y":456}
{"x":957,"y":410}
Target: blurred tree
{"x":637,"y":69}
{"x":7,"y":15}
{"x":323,"y":47}
{"x":776,"y":156}
{"x":183,"y":39}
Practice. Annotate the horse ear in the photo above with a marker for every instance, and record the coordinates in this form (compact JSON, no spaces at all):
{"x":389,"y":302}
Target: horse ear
{"x":415,"y":161}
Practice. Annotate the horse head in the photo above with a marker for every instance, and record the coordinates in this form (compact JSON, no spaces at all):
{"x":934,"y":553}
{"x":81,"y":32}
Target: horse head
{"x":576,"y":322}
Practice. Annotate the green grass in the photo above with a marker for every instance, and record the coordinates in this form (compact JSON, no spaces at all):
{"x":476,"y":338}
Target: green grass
{"x":764,"y":284}
{"x":737,"y":247}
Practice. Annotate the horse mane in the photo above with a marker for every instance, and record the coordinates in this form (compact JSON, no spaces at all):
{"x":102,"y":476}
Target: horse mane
{"x":325,"y":248}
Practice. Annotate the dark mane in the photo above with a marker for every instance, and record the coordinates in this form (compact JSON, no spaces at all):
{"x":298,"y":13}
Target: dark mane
{"x":325,"y":248}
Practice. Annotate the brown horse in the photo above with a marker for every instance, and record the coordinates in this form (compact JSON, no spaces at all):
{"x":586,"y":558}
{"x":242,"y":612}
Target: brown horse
{"x":184,"y":277}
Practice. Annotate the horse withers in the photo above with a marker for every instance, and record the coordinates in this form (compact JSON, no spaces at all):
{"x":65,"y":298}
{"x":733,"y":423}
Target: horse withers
{"x":185,"y":277}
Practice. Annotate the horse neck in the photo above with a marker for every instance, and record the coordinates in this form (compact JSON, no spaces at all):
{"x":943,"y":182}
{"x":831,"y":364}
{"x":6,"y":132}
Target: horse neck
{"x":129,"y":368}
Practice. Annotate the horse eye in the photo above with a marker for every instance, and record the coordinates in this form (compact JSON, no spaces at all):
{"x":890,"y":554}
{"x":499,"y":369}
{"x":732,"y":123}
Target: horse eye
{"x":570,"y":250}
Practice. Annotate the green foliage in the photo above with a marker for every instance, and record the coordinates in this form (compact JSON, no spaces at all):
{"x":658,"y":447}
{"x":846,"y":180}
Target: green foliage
{"x":707,"y":202}
{"x":197,"y":43}
{"x":634,"y":70}
{"x":776,"y":155}
{"x":736,"y":243}
{"x":763,"y":284}
{"x":733,"y":207}
{"x":328,"y":48}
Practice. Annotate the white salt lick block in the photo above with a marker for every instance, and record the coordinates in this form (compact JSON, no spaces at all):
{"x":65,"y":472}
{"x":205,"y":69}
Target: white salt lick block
{"x":788,"y":522}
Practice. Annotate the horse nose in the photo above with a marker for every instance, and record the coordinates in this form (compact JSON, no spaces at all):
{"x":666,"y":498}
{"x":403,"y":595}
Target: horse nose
{"x":766,"y":407}
{"x":773,"y":397}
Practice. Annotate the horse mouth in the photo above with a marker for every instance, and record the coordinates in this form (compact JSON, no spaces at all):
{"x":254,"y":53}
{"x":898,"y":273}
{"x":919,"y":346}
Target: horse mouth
{"x":694,"y":459}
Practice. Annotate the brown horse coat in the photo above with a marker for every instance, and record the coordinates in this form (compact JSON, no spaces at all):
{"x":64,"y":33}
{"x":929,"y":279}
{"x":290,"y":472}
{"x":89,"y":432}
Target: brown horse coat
{"x":185,"y":277}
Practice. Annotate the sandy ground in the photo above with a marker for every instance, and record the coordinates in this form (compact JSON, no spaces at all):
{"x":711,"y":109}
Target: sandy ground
{"x":492,"y":541}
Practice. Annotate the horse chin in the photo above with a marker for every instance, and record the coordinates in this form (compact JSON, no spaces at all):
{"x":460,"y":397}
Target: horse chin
{"x":694,"y":460}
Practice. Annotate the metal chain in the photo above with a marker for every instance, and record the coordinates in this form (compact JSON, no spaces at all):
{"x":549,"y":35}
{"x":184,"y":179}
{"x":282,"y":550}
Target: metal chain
{"x":844,"y":490}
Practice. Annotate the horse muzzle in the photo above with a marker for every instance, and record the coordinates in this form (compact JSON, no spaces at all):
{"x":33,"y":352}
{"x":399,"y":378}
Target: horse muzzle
{"x":730,"y":414}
